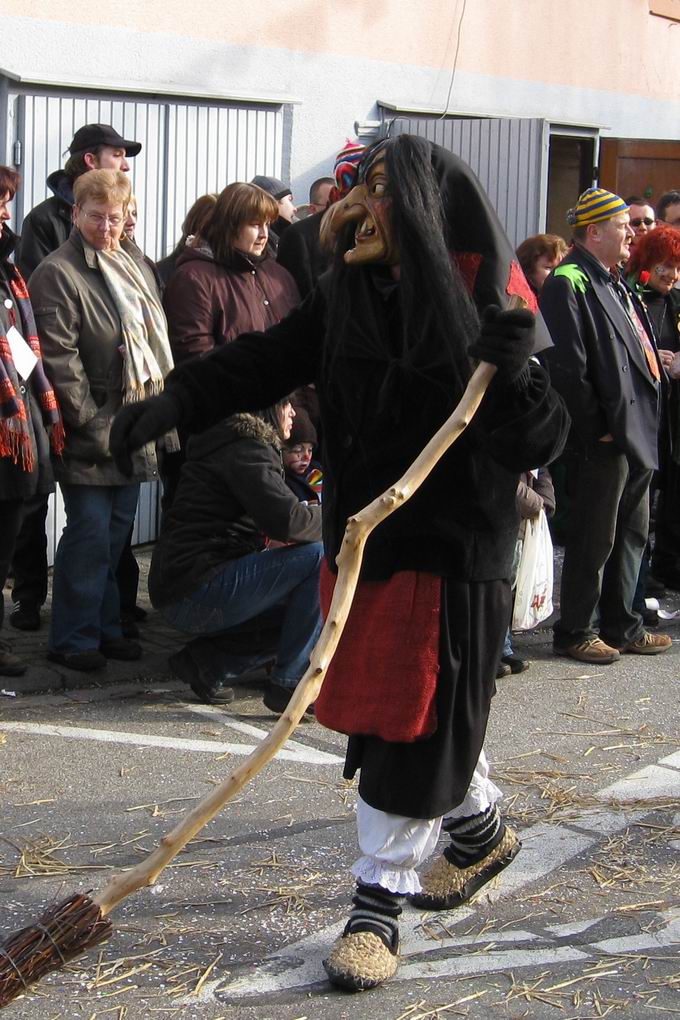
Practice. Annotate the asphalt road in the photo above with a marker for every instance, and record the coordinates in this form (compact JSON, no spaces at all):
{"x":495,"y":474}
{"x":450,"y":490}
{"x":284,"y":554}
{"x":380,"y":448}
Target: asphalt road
{"x":585,"y":923}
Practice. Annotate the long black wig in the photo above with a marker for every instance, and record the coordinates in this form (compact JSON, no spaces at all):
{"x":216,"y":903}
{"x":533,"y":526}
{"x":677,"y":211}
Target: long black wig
{"x":438,"y":320}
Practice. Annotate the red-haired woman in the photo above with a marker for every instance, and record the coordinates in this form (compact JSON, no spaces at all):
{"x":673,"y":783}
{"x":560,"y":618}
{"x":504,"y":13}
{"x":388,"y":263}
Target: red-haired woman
{"x":653,"y":270}
{"x":29,"y":414}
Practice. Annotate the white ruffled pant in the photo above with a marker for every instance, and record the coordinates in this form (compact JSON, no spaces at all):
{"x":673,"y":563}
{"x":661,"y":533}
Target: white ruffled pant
{"x":394,"y":846}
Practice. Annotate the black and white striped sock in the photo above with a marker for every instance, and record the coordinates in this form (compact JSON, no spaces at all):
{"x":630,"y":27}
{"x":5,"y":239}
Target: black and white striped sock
{"x":474,"y":837}
{"x":377,"y":910}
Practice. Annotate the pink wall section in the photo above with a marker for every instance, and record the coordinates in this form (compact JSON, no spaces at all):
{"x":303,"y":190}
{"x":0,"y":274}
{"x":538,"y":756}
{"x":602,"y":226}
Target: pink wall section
{"x":612,"y":45}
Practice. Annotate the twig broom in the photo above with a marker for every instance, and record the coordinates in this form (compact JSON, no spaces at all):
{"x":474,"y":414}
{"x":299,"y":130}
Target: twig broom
{"x":79,"y":922}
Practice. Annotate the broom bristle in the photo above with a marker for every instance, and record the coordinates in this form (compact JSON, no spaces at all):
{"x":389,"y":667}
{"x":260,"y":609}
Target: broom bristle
{"x":63,"y":932}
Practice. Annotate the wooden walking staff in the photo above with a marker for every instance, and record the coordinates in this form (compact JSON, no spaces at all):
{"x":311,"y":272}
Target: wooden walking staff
{"x":79,"y":922}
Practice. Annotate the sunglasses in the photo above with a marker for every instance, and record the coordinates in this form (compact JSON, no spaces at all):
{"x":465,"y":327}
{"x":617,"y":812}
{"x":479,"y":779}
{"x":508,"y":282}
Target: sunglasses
{"x":639,"y":220}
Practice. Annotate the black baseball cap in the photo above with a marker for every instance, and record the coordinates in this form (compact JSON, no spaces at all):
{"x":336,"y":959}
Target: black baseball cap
{"x":276,"y":188}
{"x":89,"y":136}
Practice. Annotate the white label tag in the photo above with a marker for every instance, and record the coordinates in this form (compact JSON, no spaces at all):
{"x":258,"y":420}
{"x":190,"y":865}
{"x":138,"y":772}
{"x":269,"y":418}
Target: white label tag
{"x":24,"y":358}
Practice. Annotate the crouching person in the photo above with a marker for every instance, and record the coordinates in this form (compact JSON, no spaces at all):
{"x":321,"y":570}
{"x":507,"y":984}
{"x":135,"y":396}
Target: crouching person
{"x":214,"y":574}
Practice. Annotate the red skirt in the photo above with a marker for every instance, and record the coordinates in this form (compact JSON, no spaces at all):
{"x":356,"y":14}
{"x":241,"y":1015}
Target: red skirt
{"x":382,"y":680}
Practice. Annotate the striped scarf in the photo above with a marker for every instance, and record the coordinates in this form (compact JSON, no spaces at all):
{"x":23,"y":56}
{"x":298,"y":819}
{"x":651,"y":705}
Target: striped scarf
{"x":147,"y":358}
{"x":15,"y":435}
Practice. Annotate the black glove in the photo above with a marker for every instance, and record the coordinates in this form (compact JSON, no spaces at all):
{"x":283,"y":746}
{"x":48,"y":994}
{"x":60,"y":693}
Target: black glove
{"x":506,"y":340}
{"x":137,"y":424}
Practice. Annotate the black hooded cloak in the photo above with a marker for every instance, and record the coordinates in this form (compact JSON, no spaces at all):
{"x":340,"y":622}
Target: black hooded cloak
{"x":387,"y":378}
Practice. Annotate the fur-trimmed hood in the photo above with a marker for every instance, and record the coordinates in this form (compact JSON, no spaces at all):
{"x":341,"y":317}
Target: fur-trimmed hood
{"x":231,"y":498}
{"x":231,"y":430}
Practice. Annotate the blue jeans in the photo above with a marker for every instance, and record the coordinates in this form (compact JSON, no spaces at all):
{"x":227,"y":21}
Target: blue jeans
{"x":85,"y":601}
{"x":246,"y":587}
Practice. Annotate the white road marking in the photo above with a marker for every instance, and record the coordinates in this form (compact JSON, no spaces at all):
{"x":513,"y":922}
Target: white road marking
{"x":605,"y":822}
{"x":669,"y":935}
{"x":300,"y":965}
{"x":673,"y":760}
{"x":647,"y":784}
{"x":489,"y":963}
{"x":571,"y":927}
{"x":297,"y":753}
{"x":417,"y":942}
{"x":545,"y":848}
{"x":218,"y":715}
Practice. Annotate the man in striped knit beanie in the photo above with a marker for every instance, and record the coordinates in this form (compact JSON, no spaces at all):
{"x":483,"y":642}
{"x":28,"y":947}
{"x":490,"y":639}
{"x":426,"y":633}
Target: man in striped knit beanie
{"x":606,"y":366}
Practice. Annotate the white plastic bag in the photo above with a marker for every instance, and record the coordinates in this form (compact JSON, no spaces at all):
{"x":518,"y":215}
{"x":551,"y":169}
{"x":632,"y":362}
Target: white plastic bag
{"x":533,"y":594}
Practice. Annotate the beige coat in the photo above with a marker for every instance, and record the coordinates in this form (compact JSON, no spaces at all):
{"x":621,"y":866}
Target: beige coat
{"x":80,"y":332}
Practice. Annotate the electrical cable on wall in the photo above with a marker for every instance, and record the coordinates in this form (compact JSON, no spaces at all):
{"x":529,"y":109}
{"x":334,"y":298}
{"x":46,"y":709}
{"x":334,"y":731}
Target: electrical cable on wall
{"x":455,"y":62}
{"x":445,"y":111}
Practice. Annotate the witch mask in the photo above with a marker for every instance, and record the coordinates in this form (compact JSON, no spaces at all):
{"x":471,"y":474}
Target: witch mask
{"x":368,"y":207}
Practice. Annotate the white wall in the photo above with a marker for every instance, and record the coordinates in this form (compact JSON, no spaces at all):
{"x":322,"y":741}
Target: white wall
{"x":334,"y":90}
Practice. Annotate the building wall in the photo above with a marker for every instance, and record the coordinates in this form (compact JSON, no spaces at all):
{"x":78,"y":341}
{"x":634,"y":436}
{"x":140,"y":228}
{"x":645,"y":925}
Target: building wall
{"x":607,"y":63}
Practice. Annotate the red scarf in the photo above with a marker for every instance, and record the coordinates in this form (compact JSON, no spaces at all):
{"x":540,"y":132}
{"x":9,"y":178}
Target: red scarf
{"x":15,"y":436}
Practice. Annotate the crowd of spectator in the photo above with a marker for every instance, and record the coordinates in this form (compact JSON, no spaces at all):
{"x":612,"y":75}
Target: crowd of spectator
{"x":89,"y":323}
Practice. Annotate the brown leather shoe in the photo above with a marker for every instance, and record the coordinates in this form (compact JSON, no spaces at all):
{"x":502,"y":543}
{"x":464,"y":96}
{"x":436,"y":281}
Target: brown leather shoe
{"x":648,"y":644}
{"x":593,"y":650}
{"x":10,"y":664}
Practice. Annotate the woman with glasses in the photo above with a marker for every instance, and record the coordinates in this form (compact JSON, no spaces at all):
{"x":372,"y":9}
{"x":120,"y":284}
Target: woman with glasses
{"x":105,"y":343}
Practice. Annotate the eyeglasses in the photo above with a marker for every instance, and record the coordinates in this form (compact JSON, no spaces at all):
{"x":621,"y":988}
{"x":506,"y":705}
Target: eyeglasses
{"x":639,"y":220}
{"x":100,"y":221}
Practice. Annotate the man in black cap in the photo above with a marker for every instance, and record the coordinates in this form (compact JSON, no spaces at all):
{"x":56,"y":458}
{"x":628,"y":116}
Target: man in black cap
{"x":287,"y":209}
{"x":94,"y":147}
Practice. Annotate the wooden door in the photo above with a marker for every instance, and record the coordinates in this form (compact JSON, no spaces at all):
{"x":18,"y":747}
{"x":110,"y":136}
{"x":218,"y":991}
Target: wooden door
{"x":635,"y":166}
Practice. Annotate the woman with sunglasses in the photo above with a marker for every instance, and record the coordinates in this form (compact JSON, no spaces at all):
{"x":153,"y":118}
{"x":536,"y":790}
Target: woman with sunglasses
{"x":642,"y":218}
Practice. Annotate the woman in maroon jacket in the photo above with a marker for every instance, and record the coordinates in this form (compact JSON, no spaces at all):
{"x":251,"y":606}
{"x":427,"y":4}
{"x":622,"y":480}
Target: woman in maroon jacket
{"x":225,"y":282}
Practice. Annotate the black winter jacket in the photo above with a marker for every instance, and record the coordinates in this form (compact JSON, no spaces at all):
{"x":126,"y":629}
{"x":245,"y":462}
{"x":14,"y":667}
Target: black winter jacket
{"x":598,"y":363}
{"x":462,"y":522}
{"x":47,"y":226}
{"x":231,"y":498}
{"x":301,"y":254}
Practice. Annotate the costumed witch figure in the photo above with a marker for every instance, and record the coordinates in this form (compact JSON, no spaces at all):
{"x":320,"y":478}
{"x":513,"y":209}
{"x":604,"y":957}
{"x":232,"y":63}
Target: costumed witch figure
{"x":390,"y":336}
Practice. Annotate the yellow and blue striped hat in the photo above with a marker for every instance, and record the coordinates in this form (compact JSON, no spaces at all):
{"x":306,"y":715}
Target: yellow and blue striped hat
{"x":594,"y":206}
